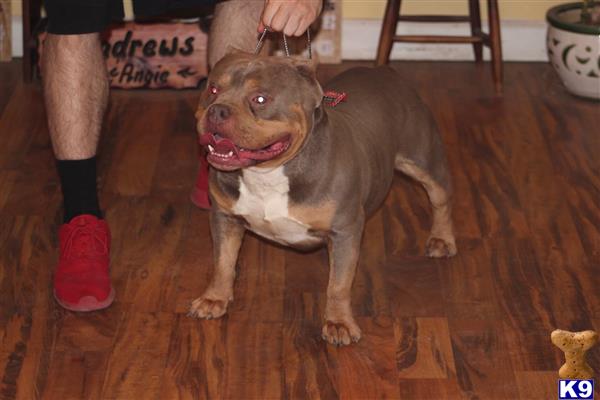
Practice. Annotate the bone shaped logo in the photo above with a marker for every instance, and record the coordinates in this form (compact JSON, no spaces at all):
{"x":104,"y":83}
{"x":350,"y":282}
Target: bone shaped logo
{"x":574,"y":345}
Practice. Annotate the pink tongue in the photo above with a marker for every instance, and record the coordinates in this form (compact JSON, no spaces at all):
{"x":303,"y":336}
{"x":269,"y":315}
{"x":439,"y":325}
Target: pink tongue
{"x":262,"y":155}
{"x":276,"y":147}
{"x":222,"y":146}
{"x":225,"y":146}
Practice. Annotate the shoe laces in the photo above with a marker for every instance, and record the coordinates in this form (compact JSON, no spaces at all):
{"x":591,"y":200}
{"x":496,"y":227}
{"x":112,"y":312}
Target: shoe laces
{"x":86,"y":240}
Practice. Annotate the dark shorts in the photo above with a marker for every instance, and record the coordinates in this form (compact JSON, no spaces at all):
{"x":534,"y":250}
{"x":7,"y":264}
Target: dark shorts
{"x":70,"y":17}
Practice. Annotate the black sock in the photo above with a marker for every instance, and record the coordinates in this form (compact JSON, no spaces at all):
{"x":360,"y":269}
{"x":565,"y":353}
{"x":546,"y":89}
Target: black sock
{"x":78,"y":183}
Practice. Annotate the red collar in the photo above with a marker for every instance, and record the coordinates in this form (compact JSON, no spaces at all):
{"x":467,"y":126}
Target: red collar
{"x":333,"y":98}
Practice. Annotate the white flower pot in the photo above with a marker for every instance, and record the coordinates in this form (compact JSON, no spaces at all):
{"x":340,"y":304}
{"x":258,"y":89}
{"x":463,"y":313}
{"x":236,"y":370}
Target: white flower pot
{"x":574,"y":50}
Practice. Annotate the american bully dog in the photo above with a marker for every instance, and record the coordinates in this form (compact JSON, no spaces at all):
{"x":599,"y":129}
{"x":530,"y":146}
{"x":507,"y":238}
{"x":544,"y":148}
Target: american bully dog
{"x":300,"y":173}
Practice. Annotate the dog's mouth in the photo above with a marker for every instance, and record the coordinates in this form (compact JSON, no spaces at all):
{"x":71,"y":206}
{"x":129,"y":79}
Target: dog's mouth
{"x":224,"y":154}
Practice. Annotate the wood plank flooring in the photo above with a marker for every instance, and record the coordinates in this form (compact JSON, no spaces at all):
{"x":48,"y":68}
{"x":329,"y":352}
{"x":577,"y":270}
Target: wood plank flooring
{"x":526,"y":170}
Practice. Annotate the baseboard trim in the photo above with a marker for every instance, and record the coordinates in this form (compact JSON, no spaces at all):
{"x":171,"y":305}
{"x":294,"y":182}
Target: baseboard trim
{"x":521,"y":41}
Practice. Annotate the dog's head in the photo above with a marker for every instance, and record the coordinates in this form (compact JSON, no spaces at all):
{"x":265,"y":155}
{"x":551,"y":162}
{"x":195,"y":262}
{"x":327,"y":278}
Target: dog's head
{"x":257,"y":110}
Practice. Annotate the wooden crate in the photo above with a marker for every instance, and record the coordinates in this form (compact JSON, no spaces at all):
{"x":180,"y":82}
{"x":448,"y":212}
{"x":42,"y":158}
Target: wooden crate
{"x":152,"y":56}
{"x":5,"y":31}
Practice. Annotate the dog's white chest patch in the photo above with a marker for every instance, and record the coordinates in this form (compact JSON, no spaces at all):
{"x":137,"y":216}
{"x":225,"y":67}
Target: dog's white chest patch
{"x":263,"y":203}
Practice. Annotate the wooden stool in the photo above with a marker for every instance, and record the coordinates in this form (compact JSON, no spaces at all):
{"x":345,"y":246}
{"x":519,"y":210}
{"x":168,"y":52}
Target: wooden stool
{"x":478,"y":38}
{"x":32,"y":14}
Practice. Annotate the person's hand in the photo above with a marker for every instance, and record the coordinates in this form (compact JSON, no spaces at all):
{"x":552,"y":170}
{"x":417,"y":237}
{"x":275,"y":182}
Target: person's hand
{"x":292,"y":17}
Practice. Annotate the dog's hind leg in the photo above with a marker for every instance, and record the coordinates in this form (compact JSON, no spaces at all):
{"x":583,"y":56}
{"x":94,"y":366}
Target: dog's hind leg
{"x":441,"y":241}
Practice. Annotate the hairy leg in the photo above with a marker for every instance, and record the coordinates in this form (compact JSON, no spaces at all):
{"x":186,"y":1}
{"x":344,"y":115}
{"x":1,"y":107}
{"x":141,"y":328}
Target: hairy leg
{"x":235,"y":24}
{"x":76,"y":93}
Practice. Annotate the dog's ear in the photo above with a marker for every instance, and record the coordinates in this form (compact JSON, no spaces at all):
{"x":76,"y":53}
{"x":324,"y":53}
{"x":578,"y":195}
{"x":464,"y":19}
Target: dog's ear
{"x":307,"y":67}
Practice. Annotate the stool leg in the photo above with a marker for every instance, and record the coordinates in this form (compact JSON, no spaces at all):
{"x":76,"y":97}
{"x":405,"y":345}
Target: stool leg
{"x":495,"y":44}
{"x":27,"y":59}
{"x":475,"y":16}
{"x":388,"y":30}
{"x":31,"y":15}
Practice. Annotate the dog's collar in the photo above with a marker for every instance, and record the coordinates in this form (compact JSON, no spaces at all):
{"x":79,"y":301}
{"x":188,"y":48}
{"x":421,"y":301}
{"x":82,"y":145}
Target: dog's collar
{"x":333,"y":98}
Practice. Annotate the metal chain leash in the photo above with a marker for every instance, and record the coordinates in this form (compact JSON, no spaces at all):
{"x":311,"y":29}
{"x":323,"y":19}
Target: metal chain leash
{"x":332,"y":98}
{"x":261,"y":40}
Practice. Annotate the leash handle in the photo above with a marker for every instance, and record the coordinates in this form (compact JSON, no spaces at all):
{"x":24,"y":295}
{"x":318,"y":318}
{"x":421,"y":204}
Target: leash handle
{"x":261,"y":40}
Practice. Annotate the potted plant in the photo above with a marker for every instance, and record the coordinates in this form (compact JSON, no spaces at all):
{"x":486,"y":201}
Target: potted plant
{"x":573,"y":44}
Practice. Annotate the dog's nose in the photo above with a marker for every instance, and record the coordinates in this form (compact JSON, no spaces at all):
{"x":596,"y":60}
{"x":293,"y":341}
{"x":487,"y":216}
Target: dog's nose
{"x":218,"y":113}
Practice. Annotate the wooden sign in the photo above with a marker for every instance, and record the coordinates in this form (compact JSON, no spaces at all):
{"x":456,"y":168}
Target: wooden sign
{"x":157,"y":55}
{"x":5,"y":31}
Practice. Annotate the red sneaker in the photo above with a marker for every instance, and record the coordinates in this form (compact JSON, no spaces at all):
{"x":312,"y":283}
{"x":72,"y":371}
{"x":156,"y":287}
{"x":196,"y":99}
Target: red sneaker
{"x":200,"y":192}
{"x":82,"y":281}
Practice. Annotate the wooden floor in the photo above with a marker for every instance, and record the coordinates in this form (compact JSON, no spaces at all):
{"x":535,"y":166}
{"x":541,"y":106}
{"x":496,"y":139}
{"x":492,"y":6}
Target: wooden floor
{"x":526,"y":171}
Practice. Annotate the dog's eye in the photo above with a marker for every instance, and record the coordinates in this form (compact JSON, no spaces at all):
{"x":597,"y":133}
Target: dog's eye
{"x":260,"y":99}
{"x":213,"y":89}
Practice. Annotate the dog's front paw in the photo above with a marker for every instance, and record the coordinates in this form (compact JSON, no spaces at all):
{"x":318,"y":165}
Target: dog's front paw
{"x":440,"y":248}
{"x":341,"y":333}
{"x":208,"y":307}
